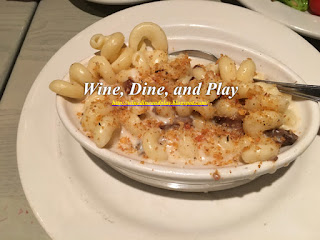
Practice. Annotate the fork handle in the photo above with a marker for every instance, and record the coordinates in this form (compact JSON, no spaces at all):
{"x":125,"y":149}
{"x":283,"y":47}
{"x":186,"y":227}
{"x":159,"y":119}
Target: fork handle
{"x":310,"y":92}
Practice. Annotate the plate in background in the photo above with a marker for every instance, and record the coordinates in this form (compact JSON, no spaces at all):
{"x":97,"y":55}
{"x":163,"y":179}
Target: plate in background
{"x":302,"y":22}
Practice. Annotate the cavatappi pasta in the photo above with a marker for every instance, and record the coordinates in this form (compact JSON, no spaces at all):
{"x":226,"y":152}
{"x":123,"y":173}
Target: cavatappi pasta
{"x":245,"y":129}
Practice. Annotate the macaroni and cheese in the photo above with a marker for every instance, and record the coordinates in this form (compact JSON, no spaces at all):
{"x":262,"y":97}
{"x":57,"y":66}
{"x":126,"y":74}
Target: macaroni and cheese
{"x":251,"y":126}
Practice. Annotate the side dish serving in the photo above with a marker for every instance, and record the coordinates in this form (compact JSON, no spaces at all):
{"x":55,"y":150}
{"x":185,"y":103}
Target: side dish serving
{"x":250,"y":126}
{"x":303,"y":5}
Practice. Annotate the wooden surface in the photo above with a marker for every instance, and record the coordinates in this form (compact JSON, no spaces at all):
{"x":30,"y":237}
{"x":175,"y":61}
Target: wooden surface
{"x":15,"y":18}
{"x":54,"y":23}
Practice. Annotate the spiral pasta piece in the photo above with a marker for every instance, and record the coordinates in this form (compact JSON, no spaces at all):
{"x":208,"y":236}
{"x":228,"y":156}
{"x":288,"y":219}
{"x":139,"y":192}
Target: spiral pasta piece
{"x":67,"y":89}
{"x":150,"y":31}
{"x":99,"y":66}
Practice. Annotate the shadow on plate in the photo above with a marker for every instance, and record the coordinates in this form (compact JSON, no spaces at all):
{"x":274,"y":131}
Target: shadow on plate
{"x":313,"y":42}
{"x":234,"y":2}
{"x":101,"y":10}
{"x":253,"y":186}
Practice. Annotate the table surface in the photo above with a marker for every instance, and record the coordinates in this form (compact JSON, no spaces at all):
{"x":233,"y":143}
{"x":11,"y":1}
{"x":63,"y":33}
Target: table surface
{"x":15,"y":18}
{"x":53,"y":24}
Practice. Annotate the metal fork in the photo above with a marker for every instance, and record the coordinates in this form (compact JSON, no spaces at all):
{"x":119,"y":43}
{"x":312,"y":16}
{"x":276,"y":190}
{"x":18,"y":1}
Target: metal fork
{"x":305,"y":91}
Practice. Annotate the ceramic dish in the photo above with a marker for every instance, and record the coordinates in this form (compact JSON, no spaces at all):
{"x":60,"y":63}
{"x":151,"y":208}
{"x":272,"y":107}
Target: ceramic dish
{"x":75,"y":195}
{"x":197,"y":179}
{"x":302,"y":22}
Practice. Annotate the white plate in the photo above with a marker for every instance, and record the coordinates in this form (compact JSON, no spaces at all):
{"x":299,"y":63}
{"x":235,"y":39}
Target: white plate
{"x":115,"y":2}
{"x":302,"y":22}
{"x":76,"y":196}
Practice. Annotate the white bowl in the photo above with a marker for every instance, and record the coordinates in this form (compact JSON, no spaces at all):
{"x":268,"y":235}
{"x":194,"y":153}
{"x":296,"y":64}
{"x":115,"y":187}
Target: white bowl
{"x":201,"y":179}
